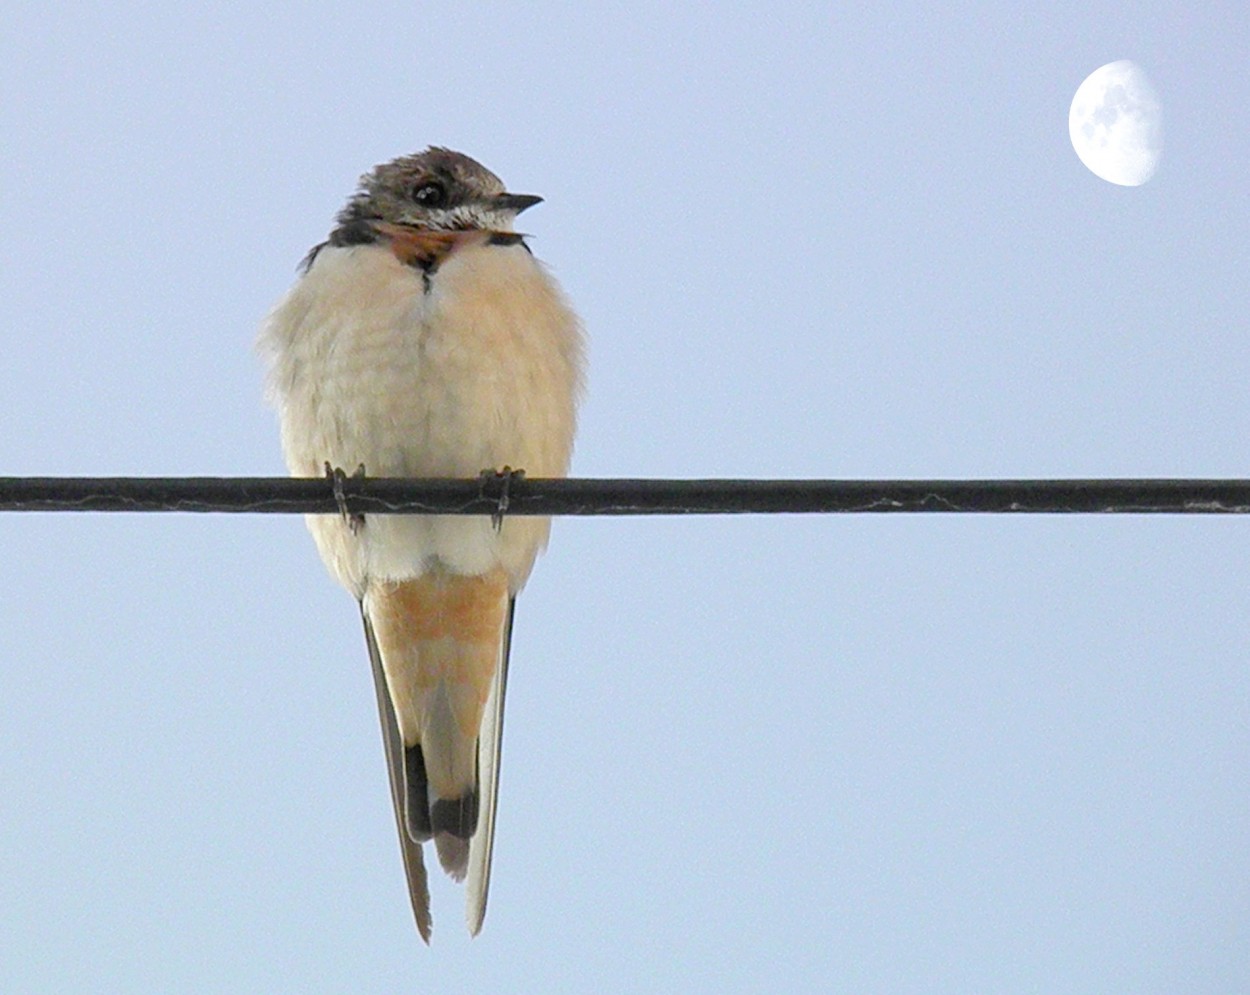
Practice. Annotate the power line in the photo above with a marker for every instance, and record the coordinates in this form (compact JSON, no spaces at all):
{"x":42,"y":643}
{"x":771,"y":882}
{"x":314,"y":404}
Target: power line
{"x":585,"y":496}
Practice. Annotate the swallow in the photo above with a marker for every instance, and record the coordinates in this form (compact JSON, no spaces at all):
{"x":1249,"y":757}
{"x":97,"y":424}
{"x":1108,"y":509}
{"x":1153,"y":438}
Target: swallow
{"x":423,"y":339}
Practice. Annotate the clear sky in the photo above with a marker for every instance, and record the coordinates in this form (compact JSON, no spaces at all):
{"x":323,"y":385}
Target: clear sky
{"x":891,"y":754}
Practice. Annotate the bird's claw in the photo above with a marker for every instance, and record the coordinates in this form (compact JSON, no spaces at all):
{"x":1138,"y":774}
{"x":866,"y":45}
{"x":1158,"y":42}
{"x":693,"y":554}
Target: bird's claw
{"x":355,"y":521}
{"x":504,"y":478}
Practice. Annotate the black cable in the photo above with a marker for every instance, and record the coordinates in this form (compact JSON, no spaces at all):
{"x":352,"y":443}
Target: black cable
{"x":525,"y":496}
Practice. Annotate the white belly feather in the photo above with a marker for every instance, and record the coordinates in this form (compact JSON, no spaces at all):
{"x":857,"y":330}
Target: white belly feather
{"x":480,"y":371}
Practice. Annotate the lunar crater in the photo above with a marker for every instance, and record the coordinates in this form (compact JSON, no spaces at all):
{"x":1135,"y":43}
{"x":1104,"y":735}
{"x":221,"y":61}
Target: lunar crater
{"x":1116,"y":124}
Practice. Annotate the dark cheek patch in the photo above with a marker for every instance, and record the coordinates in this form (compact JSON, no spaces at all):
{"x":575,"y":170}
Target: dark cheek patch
{"x":507,"y":238}
{"x":358,"y":232}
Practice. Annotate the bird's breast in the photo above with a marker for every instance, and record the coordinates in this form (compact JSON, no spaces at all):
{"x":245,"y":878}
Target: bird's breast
{"x":475,"y":364}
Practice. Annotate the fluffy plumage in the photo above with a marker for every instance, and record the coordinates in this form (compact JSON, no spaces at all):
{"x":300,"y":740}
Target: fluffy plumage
{"x":423,"y":339}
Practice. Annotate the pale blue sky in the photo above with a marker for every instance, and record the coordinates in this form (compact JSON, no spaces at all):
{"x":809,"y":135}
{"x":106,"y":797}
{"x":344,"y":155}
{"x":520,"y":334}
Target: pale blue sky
{"x":906,"y":754}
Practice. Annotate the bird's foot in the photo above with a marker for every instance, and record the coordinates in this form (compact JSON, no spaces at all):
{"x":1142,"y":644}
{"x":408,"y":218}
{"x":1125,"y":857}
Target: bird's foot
{"x":504,"y":478}
{"x":355,"y":522}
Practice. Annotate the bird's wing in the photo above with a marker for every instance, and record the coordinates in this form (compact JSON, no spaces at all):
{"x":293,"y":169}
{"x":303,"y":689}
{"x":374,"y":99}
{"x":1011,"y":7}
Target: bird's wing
{"x":489,"y":745}
{"x":414,"y":864}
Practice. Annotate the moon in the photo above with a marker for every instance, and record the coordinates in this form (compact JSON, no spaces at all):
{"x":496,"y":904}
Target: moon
{"x":1116,"y":124}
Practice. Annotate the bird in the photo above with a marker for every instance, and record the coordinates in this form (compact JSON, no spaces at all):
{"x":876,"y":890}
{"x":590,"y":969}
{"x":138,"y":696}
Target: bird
{"x":422,"y":338}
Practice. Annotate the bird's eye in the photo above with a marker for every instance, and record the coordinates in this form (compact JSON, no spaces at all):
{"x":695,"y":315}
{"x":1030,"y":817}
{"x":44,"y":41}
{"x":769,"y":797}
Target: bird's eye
{"x":430,"y":194}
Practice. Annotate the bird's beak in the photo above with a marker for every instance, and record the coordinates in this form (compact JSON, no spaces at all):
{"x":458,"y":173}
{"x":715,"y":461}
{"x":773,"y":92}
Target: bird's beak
{"x":515,"y":202}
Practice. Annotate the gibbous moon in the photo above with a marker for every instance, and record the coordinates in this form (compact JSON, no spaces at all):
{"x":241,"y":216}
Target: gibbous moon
{"x":1116,"y":124}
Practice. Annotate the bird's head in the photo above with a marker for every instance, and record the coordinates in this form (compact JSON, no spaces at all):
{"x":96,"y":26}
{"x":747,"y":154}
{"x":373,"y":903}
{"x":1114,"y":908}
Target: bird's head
{"x":437,"y":189}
